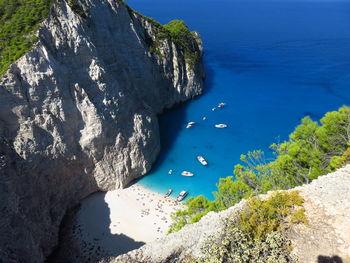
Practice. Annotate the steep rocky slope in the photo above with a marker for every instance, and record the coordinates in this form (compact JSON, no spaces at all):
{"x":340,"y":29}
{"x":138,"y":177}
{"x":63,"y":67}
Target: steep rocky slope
{"x":78,"y":114}
{"x":325,"y":239}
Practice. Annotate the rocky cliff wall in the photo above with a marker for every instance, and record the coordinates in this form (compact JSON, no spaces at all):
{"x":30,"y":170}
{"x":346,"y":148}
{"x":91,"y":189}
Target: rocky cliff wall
{"x":325,"y":239}
{"x":78,"y":114}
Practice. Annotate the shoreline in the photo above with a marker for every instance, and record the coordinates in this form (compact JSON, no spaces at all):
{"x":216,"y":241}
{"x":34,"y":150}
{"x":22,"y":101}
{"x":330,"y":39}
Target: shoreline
{"x":147,"y":214}
{"x":116,"y":222}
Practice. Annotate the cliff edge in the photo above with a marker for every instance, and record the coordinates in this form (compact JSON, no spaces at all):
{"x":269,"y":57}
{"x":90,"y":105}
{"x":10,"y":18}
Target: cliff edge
{"x":326,"y":238}
{"x":78,"y":114}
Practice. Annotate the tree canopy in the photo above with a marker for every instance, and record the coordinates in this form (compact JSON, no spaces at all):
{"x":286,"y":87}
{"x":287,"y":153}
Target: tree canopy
{"x":19,"y":19}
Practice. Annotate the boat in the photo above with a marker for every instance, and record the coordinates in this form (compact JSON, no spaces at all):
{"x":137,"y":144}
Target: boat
{"x":202,"y":160}
{"x":186,"y":173}
{"x":170,"y":171}
{"x":221,"y":125}
{"x":213,"y":109}
{"x":181,"y":195}
{"x":168,"y":193}
{"x":221,"y":104}
{"x":204,"y":118}
{"x":190,"y":124}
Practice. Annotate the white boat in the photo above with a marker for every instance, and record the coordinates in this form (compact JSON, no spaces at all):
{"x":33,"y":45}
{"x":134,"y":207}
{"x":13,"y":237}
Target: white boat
{"x":204,"y":118}
{"x":186,"y":173}
{"x":190,"y":124}
{"x":170,"y":171}
{"x":213,"y":109}
{"x":202,"y":160}
{"x":168,"y":193}
{"x":181,"y":195}
{"x":221,"y":104}
{"x":220,"y":125}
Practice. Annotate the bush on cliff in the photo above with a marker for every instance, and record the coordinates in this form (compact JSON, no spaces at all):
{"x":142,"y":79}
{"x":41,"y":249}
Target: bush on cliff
{"x":256,"y":234}
{"x":313,"y":149}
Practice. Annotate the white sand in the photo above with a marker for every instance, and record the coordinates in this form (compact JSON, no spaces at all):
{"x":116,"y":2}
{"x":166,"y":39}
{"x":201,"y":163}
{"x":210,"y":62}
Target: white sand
{"x":145,"y":214}
{"x":121,"y":220}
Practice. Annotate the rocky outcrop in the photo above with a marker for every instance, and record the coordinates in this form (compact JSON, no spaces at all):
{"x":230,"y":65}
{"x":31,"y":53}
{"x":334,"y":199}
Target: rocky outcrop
{"x":325,"y":239}
{"x":78,"y":114}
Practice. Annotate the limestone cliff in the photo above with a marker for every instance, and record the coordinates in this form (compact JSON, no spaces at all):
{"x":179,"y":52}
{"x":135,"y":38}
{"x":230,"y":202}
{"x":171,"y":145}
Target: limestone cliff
{"x":325,"y":239}
{"x":78,"y":114}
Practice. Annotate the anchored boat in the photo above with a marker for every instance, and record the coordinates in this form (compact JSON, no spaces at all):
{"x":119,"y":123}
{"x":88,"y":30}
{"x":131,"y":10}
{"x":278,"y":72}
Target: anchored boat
{"x":221,"y":125}
{"x":202,"y":160}
{"x":181,"y":195}
{"x":168,"y":193}
{"x":186,"y":173}
{"x":221,"y":104}
{"x":190,"y":124}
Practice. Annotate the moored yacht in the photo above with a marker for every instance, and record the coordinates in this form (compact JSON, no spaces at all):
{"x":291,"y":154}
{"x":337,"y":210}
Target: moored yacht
{"x":181,"y":195}
{"x":221,"y":104}
{"x":190,"y":124}
{"x":168,"y":193}
{"x":221,"y":125}
{"x":202,"y":160}
{"x":186,"y":173}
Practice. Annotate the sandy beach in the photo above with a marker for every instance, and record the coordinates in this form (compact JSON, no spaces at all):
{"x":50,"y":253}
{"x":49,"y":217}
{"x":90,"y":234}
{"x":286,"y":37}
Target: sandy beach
{"x":145,"y":216}
{"x":118,"y":221}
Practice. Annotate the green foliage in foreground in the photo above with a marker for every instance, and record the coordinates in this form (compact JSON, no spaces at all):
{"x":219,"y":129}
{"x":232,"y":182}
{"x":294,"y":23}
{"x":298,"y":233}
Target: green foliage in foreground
{"x":256,"y":236}
{"x":278,"y":211}
{"x":19,"y":19}
{"x":313,"y":149}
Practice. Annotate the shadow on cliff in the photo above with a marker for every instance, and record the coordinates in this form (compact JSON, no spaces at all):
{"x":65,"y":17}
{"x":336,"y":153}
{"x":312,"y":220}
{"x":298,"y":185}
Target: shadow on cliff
{"x":86,"y":236}
{"x":178,"y":115}
{"x":326,"y":259}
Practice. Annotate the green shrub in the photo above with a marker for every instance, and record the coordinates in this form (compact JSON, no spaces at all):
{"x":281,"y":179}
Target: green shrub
{"x":232,"y":245}
{"x":278,"y":211}
{"x":257,"y":236}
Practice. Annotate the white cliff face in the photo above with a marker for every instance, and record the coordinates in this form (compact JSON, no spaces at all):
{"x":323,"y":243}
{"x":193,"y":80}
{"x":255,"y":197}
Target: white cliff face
{"x":79,"y":112}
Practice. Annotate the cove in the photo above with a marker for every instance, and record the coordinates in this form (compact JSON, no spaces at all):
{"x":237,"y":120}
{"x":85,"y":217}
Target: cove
{"x":272,"y":62}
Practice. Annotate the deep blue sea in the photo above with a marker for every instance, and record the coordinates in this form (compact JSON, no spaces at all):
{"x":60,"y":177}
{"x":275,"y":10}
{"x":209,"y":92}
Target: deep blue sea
{"x":272,"y":62}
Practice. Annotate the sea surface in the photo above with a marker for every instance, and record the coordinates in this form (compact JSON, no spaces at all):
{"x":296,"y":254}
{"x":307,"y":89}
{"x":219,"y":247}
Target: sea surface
{"x":272,"y":62}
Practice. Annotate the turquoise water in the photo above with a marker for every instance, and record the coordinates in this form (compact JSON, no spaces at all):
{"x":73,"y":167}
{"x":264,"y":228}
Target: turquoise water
{"x":272,"y":62}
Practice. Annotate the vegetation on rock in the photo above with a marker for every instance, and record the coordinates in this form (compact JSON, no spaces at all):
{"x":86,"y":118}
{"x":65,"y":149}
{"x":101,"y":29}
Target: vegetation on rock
{"x":256,"y":236}
{"x":176,"y":31}
{"x":77,"y":8}
{"x":313,"y":149}
{"x":19,"y":19}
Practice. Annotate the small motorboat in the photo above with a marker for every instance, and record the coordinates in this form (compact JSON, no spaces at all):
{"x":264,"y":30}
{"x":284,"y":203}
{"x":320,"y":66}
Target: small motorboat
{"x":213,"y":109}
{"x":204,"y":118}
{"x":220,"y":125}
{"x":181,"y":195}
{"x":202,"y":160}
{"x":168,"y":193}
{"x":190,"y":124}
{"x":186,"y":173}
{"x":221,"y":104}
{"x":170,"y":171}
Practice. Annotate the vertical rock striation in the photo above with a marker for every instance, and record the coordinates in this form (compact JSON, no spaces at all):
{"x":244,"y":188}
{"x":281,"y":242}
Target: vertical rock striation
{"x":78,"y":114}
